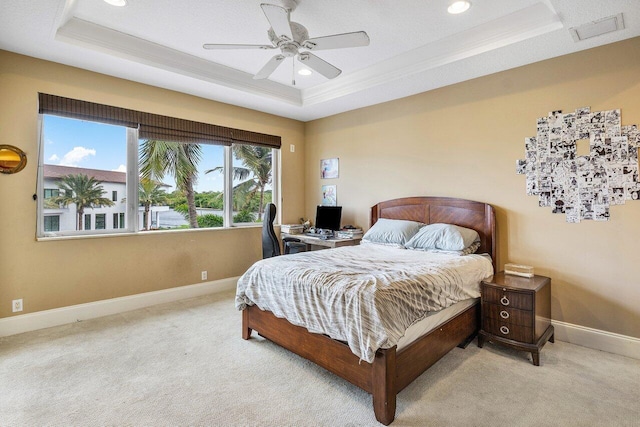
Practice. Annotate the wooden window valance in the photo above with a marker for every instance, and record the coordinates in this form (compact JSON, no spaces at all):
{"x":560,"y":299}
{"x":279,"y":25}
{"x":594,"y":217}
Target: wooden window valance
{"x":153,"y":126}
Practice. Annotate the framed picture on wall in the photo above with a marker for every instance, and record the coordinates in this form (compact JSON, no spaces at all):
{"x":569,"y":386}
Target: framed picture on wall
{"x":329,"y":195}
{"x":329,"y":168}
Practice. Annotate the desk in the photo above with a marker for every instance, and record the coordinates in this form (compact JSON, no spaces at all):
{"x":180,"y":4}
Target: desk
{"x":316,"y":241}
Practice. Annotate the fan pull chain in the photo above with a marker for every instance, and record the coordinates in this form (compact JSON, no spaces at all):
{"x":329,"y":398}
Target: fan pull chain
{"x":293,"y":72}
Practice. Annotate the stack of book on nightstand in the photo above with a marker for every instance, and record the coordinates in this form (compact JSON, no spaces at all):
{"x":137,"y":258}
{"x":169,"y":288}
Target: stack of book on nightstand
{"x":349,"y":233}
{"x":292,"y":228}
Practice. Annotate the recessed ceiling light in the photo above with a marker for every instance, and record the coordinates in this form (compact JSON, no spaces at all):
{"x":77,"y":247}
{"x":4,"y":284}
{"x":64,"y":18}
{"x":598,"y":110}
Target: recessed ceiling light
{"x":304,"y":72}
{"x":117,"y":2}
{"x":459,"y":6}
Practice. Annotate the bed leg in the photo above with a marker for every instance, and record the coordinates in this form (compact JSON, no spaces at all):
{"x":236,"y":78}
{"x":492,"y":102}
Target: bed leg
{"x":246,"y":330}
{"x":384,"y":385}
{"x":468,"y":340}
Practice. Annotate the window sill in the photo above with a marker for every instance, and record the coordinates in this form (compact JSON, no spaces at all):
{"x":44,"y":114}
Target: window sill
{"x":141,"y":233}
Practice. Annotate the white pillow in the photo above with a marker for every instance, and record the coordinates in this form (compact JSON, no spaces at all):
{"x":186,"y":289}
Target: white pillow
{"x":446,"y":237}
{"x":391,"y":232}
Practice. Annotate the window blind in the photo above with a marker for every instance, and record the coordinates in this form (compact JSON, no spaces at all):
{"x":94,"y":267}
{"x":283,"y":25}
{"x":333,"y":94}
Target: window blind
{"x":154,"y":126}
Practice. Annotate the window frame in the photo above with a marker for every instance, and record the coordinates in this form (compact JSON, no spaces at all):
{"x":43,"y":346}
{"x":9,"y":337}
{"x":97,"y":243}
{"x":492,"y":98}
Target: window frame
{"x":132,"y":225}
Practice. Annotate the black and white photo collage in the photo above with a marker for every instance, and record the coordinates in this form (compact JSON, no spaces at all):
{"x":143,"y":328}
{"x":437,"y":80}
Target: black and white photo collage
{"x":582,"y":187}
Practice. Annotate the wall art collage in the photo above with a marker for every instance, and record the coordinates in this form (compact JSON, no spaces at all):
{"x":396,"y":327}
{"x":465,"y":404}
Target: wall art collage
{"x":583,"y":187}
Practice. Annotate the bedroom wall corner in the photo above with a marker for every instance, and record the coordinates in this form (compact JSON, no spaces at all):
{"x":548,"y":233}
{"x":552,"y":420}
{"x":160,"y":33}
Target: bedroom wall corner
{"x":463,"y":141}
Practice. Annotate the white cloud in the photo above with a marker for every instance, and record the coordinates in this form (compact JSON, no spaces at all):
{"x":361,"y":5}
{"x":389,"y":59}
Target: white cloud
{"x":121,"y":168}
{"x":75,"y":156}
{"x":54,"y":158}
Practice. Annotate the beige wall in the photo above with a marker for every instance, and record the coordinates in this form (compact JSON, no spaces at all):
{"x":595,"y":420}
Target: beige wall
{"x":61,"y":273}
{"x":459,"y":141}
{"x":463,"y":141}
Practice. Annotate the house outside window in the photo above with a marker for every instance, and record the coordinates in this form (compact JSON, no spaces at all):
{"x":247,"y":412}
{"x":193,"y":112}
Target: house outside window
{"x":114,"y":196}
{"x":87,"y":221}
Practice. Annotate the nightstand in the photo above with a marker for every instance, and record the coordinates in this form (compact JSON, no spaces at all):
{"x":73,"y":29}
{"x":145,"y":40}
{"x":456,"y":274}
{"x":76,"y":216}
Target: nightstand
{"x":516,"y":312}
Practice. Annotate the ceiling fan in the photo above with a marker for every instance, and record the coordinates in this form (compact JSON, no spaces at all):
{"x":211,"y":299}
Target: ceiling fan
{"x":291,"y":37}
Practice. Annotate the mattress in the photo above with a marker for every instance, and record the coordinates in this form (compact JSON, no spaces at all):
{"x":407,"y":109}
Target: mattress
{"x":433,"y":321}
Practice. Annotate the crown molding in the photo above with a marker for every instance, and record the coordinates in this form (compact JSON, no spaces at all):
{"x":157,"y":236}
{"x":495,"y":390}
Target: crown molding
{"x":96,"y":37}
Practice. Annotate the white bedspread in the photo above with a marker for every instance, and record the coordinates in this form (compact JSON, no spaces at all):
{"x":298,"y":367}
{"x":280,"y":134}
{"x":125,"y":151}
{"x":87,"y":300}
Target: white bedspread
{"x":365,"y":295}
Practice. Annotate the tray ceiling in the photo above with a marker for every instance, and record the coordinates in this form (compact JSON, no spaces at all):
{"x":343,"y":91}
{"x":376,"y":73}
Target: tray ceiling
{"x":415,"y":46}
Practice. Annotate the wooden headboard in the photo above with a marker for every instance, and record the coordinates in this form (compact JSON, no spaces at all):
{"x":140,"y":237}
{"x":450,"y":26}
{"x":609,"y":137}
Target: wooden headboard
{"x":465,"y":213}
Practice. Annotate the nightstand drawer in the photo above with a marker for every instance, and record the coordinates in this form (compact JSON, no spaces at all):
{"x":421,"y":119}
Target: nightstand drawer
{"x":507,"y":330}
{"x":507,"y":315}
{"x":506,"y":298}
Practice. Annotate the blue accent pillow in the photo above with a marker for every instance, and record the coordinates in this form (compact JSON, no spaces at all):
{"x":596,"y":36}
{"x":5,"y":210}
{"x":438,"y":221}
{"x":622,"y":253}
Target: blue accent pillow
{"x":391,"y":232}
{"x":445,"y":237}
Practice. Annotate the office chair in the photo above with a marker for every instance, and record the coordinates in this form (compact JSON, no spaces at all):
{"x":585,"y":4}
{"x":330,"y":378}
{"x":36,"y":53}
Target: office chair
{"x":270,"y":243}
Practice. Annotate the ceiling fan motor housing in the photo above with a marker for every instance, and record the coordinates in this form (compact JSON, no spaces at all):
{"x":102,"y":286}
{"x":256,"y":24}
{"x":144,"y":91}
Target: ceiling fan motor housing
{"x":299,"y":32}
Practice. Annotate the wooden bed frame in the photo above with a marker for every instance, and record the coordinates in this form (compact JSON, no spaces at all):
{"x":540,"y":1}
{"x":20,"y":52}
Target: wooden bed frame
{"x":391,"y":370}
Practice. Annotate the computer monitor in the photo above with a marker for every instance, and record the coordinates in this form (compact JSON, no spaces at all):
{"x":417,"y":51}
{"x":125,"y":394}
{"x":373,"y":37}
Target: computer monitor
{"x":328,"y":217}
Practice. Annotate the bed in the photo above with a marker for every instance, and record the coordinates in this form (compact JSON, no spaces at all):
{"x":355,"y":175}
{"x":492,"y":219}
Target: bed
{"x":390,"y":370}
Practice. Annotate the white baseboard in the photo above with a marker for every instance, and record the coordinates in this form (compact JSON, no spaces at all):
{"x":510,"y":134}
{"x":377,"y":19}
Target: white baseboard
{"x":574,"y":334}
{"x":597,"y":339}
{"x":61,"y":316}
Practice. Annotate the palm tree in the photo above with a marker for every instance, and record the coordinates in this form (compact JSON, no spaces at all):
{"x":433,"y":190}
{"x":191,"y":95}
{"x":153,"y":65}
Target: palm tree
{"x":177,"y":159}
{"x":150,"y":194}
{"x":255,"y":176}
{"x":83,"y":191}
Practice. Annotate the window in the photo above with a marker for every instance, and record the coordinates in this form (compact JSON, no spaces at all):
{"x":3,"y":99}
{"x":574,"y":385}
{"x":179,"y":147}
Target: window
{"x":52,"y":223}
{"x":101,"y":221}
{"x":147,"y":172}
{"x":51,"y":192}
{"x":83,"y":169}
{"x":252,"y":182}
{"x":118,"y":220}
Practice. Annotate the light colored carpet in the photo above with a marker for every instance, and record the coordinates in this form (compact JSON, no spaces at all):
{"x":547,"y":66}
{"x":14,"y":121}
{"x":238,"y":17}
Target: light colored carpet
{"x":184,"y":363}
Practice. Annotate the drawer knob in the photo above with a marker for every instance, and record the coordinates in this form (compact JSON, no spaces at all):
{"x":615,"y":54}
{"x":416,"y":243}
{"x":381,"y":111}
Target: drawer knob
{"x":504,"y":301}
{"x":504,"y":314}
{"x":504,"y":330}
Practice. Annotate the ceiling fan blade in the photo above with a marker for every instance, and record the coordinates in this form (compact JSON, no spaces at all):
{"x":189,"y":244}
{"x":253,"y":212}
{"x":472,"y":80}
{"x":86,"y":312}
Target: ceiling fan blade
{"x":278,"y":17}
{"x":319,"y":65}
{"x":269,"y":67}
{"x":337,"y":41}
{"x":237,"y":46}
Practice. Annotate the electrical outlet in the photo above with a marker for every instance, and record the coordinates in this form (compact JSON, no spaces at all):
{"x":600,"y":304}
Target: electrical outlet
{"x":204,"y":275}
{"x":292,"y":148}
{"x":16,"y":305}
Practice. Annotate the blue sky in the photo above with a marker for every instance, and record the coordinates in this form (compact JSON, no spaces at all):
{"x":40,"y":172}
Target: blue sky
{"x":85,"y":144}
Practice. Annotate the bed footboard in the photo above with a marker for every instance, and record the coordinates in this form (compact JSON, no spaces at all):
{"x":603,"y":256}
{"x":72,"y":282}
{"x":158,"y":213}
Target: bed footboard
{"x":378,"y":379}
{"x":390,"y":372}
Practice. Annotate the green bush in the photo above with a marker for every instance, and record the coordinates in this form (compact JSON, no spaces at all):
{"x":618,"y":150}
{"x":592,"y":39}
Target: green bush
{"x":210,"y":220}
{"x":244,"y":216}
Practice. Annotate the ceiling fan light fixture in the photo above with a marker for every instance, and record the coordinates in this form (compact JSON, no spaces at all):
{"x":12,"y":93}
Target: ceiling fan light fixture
{"x":119,"y":3}
{"x":304,"y":72}
{"x":459,"y":7}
